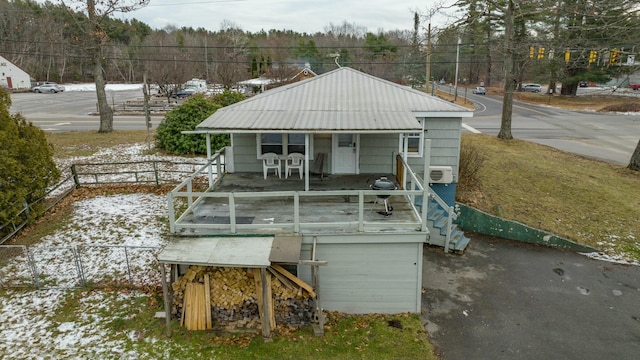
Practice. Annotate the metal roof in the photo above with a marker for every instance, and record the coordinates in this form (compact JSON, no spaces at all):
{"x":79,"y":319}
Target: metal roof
{"x":340,"y":100}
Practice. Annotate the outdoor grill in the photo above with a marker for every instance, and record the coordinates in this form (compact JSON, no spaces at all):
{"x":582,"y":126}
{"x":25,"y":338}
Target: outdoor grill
{"x":383,"y":184}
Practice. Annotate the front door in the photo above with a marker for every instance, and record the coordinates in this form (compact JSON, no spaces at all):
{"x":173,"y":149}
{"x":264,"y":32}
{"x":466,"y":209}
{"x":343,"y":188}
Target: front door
{"x":345,"y":153}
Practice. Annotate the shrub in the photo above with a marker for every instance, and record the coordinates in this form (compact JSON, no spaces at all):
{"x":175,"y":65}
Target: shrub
{"x":27,"y":168}
{"x":471,"y":160}
{"x":185,"y":118}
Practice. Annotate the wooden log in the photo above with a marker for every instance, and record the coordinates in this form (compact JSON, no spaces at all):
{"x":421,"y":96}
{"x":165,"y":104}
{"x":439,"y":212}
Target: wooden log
{"x":207,"y":302}
{"x":295,"y":279}
{"x":187,"y":305}
{"x":258,"y":281}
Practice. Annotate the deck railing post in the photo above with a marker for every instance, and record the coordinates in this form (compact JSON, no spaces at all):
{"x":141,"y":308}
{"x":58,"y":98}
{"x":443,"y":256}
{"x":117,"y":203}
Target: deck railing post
{"x":360,"y":211}
{"x":296,"y":212}
{"x":232,"y":212}
{"x":172,"y":213}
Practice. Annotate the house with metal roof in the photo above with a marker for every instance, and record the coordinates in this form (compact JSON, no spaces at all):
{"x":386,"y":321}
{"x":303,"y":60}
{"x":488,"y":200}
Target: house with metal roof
{"x":376,"y":181}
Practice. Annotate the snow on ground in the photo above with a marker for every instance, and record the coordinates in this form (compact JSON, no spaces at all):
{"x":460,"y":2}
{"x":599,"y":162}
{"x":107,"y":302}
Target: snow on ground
{"x":30,"y":325}
{"x":108,"y":87}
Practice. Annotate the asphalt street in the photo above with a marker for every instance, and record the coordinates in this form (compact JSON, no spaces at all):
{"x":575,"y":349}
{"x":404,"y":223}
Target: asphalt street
{"x":508,"y":300}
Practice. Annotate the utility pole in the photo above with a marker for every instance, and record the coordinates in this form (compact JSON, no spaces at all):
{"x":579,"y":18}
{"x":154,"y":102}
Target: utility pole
{"x":428,"y":78}
{"x":455,"y":81}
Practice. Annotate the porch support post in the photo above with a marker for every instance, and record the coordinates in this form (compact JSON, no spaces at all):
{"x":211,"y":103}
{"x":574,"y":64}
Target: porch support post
{"x":405,"y":151}
{"x":306,"y":162}
{"x":208,"y":137}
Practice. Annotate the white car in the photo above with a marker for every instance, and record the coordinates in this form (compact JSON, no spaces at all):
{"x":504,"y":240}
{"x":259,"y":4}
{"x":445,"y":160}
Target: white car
{"x":48,"y":88}
{"x":480,"y":91}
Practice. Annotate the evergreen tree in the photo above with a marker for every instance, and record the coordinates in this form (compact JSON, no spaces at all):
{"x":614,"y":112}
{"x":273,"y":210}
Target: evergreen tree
{"x":27,"y":168}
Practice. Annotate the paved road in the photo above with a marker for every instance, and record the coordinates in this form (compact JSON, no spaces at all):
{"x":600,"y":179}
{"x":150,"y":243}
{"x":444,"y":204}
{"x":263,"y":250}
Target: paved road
{"x":508,"y":300}
{"x":73,"y":110}
{"x":602,"y":136}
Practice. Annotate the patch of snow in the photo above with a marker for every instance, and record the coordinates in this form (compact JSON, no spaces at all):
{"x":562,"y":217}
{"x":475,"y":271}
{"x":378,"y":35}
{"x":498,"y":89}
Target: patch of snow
{"x":34,"y":323}
{"x":617,"y":259}
{"x":108,"y":87}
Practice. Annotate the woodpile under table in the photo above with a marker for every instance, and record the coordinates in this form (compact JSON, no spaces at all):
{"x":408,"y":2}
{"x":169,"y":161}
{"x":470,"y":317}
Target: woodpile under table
{"x":231,"y":283}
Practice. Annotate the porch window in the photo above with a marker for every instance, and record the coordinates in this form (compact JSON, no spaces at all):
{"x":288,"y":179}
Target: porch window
{"x":415,"y":142}
{"x":271,"y":142}
{"x":282,"y":144}
{"x":295,"y":143}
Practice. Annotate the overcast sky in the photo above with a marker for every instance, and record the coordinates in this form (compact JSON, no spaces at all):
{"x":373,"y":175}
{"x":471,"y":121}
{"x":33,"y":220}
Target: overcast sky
{"x":308,"y":16}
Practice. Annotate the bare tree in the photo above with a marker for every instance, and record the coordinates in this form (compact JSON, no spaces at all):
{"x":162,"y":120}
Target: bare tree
{"x":634,"y":163}
{"x":231,"y":55}
{"x":97,"y":12}
{"x":167,"y":65}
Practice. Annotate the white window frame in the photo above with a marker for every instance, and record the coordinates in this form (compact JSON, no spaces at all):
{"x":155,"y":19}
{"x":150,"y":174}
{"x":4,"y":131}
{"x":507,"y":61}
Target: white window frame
{"x":285,"y":145}
{"x":419,"y":136}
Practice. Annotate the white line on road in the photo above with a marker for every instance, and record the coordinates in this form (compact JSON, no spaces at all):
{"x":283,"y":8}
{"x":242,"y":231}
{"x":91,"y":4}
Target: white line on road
{"x":469,"y":128}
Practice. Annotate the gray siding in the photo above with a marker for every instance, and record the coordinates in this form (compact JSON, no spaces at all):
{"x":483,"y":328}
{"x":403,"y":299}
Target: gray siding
{"x":377,"y":151}
{"x":245,"y":154}
{"x":445,"y":134}
{"x":368,"y":274}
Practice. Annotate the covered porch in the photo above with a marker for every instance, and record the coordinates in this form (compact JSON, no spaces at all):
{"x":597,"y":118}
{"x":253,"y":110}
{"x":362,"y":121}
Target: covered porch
{"x":246,"y":203}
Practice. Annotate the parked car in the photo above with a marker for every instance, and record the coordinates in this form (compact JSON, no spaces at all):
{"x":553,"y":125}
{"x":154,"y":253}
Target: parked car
{"x":180,"y":94}
{"x":635,"y":86}
{"x":480,"y":91}
{"x":48,"y":88}
{"x":583,"y":84}
{"x":535,"y":88}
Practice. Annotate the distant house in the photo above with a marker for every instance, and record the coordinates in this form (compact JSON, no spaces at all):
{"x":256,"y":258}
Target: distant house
{"x":12,"y":77}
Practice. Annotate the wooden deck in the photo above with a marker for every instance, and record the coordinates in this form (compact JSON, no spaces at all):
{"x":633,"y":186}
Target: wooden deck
{"x":246,"y":203}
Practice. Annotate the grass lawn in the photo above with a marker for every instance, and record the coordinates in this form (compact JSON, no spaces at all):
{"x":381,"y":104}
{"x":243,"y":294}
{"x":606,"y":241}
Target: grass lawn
{"x":588,"y":201}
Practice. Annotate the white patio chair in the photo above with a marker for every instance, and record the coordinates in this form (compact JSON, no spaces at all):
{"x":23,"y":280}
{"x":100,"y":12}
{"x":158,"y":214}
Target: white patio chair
{"x":270,"y":161}
{"x":294,"y":161}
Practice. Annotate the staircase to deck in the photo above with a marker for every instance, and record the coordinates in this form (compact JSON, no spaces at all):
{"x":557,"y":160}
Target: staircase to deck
{"x":437,"y":223}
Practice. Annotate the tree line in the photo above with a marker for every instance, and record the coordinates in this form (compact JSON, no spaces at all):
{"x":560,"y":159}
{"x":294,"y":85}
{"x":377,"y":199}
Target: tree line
{"x":493,"y":41}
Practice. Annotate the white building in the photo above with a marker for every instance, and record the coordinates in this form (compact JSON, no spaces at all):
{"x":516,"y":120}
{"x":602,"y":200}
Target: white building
{"x":12,"y":77}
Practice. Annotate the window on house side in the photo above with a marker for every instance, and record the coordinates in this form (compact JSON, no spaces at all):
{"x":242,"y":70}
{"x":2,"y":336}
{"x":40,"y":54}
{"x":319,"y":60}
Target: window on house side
{"x":415,"y":142}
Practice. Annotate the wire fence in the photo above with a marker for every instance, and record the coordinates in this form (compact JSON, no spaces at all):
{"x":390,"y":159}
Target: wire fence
{"x":151,"y":172}
{"x":69,"y":267}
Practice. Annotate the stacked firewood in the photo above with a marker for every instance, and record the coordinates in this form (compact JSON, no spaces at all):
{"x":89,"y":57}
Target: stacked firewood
{"x":234,"y":299}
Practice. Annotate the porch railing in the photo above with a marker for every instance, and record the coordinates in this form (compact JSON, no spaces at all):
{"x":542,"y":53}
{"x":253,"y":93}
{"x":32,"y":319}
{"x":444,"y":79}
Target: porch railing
{"x":184,"y":198}
{"x":414,"y":181}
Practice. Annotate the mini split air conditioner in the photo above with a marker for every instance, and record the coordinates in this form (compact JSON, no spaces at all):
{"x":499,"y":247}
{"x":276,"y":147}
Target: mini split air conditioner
{"x":440,"y":175}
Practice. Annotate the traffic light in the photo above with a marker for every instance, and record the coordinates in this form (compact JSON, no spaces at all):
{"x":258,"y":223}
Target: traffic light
{"x":593,"y":56}
{"x":614,"y":57}
{"x":540,"y":53}
{"x":567,"y":55}
{"x":531,"y":52}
